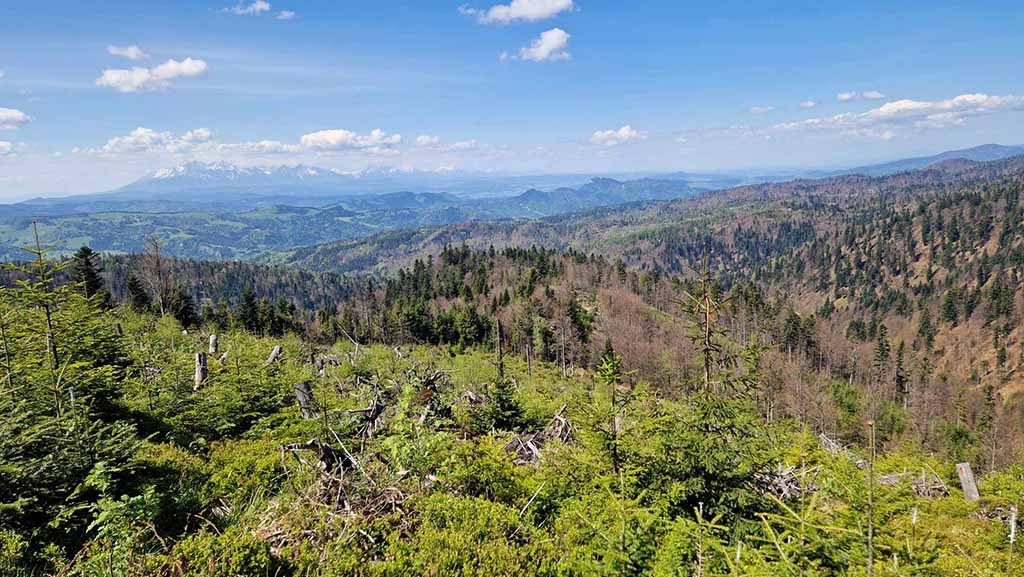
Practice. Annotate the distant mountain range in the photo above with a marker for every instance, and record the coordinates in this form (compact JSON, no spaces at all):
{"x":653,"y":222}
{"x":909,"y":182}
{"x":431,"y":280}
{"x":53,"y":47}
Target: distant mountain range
{"x":220,"y":229}
{"x":225,"y":187}
{"x":983,"y":153}
{"x":666,"y":233}
{"x":223,"y":211}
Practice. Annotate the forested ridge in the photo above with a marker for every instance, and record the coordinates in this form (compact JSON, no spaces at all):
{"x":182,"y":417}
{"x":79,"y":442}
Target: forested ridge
{"x":778,"y":380}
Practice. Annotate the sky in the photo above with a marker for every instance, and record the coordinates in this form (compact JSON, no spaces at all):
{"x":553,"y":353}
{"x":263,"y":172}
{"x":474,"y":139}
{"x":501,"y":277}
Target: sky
{"x":94,"y":95}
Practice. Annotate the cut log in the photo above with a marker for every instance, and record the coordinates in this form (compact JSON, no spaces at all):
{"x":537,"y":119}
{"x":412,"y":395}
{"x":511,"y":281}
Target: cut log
{"x":967,"y":482}
{"x":213,"y":345}
{"x":201,"y":371}
{"x":273,"y":356}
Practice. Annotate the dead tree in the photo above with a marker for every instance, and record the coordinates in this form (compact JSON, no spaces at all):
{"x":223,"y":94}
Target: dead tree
{"x":154,"y":274}
{"x":201,"y":371}
{"x":307,"y":403}
{"x":273,"y":356}
{"x":967,"y":482}
{"x":213,"y":345}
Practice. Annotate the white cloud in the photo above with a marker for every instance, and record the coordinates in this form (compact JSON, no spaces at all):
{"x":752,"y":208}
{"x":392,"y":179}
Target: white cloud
{"x":615,"y":137}
{"x":761,"y":109}
{"x":434,"y":143}
{"x":202,"y":143}
{"x":463,"y":145}
{"x":551,"y":45}
{"x":285,"y":15}
{"x":253,"y":9}
{"x":5,"y":148}
{"x":132,"y":52}
{"x":141,"y":139}
{"x":808,"y":104}
{"x":11,"y":119}
{"x":140,"y":79}
{"x":525,"y":10}
{"x":867,"y":95}
{"x":881,"y":122}
{"x":198,"y":135}
{"x":341,"y":139}
{"x":2,"y":74}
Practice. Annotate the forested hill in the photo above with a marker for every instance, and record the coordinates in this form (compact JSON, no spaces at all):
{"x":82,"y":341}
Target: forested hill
{"x":231,"y":226}
{"x":931,"y":260}
{"x":652,"y":233}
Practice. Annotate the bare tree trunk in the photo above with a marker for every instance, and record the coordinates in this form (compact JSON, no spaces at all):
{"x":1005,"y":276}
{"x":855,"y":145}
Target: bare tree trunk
{"x":213,"y":345}
{"x":202,"y":373}
{"x":273,"y":356}
{"x":967,"y":482}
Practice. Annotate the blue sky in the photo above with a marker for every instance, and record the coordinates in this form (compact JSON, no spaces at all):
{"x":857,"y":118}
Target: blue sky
{"x":94,"y":95}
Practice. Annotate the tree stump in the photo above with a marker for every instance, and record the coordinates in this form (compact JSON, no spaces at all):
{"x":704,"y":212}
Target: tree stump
{"x":213,"y":345}
{"x":307,"y":403}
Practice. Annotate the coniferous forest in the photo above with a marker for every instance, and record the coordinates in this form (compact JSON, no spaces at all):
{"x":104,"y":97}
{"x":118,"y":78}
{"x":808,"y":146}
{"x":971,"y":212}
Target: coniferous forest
{"x":826,"y":386}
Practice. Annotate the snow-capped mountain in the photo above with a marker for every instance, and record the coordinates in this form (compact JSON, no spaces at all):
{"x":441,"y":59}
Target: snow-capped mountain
{"x":203,"y":176}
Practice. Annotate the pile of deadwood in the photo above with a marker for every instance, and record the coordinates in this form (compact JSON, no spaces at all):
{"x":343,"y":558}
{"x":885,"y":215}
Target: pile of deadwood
{"x":526,"y":449}
{"x":348,"y":478}
{"x":924,"y":483}
{"x":788,"y":482}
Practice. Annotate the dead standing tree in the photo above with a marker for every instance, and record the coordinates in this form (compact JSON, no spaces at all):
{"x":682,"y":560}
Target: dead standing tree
{"x":154,"y":274}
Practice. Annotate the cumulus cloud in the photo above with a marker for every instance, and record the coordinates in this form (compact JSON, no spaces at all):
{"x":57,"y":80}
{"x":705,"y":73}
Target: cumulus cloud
{"x":11,"y":118}
{"x":132,"y":52}
{"x":252,"y":9}
{"x":426,"y":140}
{"x":867,"y":95}
{"x":341,"y":139}
{"x":141,"y":139}
{"x":2,"y":74}
{"x":518,"y":10}
{"x":286,"y":15}
{"x":761,"y":109}
{"x":5,"y":148}
{"x":139,"y":79}
{"x":144,"y":140}
{"x":198,"y":135}
{"x":808,"y":104}
{"x":881,"y":122}
{"x":616,"y":137}
{"x":550,"y":46}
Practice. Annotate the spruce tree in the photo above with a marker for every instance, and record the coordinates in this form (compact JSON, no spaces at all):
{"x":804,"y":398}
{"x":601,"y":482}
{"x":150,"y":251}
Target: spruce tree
{"x":883,"y":352}
{"x":950,"y":313}
{"x":85,"y":272}
{"x":925,"y":330}
{"x":900,"y":376}
{"x":248,"y":313}
{"x":138,"y":298}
